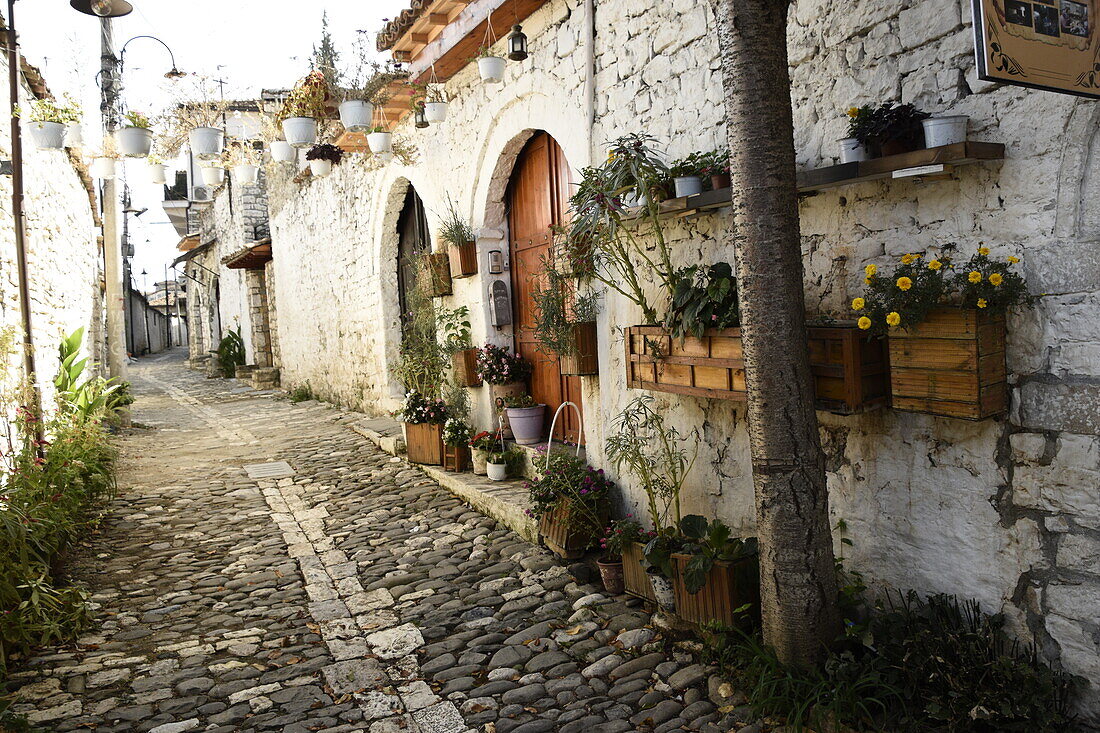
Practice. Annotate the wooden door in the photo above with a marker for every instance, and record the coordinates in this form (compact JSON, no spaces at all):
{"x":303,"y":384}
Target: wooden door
{"x":538,"y":198}
{"x":413,"y":239}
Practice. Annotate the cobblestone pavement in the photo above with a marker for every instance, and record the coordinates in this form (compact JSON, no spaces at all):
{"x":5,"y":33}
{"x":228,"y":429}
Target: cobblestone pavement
{"x":352,"y":595}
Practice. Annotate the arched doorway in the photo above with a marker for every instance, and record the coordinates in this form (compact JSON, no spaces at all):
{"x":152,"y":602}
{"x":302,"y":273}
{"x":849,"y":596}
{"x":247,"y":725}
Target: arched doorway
{"x":538,"y":198}
{"x":413,"y":238}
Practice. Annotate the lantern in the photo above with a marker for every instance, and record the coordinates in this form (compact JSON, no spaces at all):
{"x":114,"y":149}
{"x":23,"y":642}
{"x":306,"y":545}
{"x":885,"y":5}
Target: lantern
{"x":517,"y":44}
{"x":421,"y":120}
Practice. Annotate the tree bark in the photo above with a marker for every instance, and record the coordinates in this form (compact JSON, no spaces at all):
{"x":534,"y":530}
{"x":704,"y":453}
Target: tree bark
{"x":797,"y":574}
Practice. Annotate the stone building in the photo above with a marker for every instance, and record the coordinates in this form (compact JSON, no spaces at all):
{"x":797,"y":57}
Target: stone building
{"x":1005,"y":510}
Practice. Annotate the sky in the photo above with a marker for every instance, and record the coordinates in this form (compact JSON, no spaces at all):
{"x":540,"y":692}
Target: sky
{"x":250,"y":44}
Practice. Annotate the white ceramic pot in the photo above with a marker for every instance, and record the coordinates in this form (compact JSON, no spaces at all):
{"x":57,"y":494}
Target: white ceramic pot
{"x":281,"y":151}
{"x":491,"y":69}
{"x":663,"y":592}
{"x":320,"y":168}
{"x":158,"y":174}
{"x":435,"y":112}
{"x":946,"y":130}
{"x":355,"y":115}
{"x":300,"y":132}
{"x":497,"y":471}
{"x":213,"y":175}
{"x":206,"y":142}
{"x":48,"y":135}
{"x":74,"y":135}
{"x":134,"y":142}
{"x":380,"y":142}
{"x":526,"y":423}
{"x":246,"y":174}
{"x":687,"y":185}
{"x":103,"y":168}
{"x":852,"y":150}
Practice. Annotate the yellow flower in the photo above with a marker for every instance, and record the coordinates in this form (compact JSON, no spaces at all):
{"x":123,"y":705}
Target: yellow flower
{"x":611,"y":155}
{"x":983,"y":251}
{"x":858,"y":303}
{"x":935,"y":265}
{"x":893,"y":319}
{"x":864,"y":322}
{"x":904,"y":283}
{"x":867,"y":280}
{"x":974,"y":276}
{"x":1013,"y":260}
{"x":870,"y":270}
{"x":853,"y":111}
{"x":908,"y":259}
{"x":981,"y":302}
{"x":995,"y":278}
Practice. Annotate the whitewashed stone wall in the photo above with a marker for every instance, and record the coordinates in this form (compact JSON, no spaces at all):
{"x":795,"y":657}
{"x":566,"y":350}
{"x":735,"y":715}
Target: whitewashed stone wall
{"x":1007,"y":511}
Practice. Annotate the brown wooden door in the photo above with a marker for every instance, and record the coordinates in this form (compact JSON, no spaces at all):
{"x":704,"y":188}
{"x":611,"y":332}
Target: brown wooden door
{"x":538,"y":197}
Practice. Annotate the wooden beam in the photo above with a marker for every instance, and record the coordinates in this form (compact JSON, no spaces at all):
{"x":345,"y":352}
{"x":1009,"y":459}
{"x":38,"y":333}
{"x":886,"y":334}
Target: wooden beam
{"x":438,"y":19}
{"x":420,"y":38}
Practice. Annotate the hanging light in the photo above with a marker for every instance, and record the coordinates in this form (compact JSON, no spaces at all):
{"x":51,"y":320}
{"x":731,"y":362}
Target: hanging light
{"x":517,"y":44}
{"x":421,"y":119}
{"x":103,"y":8}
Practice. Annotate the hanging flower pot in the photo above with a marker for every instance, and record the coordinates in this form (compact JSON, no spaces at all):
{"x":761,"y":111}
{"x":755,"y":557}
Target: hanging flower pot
{"x":103,"y":168}
{"x":213,"y":175}
{"x":48,"y":135}
{"x":74,"y":135}
{"x":380,"y":141}
{"x":435,"y":112}
{"x":300,"y":132}
{"x":206,"y":142}
{"x":322,"y":157}
{"x":320,"y":168}
{"x":355,"y":115}
{"x":281,"y":151}
{"x":496,"y":471}
{"x":134,"y":142}
{"x":158,"y":174}
{"x":246,"y":174}
{"x":491,"y":69}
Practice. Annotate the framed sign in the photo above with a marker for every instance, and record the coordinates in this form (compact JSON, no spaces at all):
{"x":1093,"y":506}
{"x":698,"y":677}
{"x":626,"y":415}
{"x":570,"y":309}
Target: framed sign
{"x":1046,"y":44}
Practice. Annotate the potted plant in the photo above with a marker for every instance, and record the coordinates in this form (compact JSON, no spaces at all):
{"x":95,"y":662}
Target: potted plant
{"x":888,"y":129}
{"x":570,"y":500}
{"x":716,"y":168}
{"x":565,"y":319}
{"x":626,"y":539}
{"x":506,"y":374}
{"x":490,"y":66}
{"x":456,"y":445}
{"x":525,"y":416}
{"x":194,"y":120}
{"x":497,"y":462}
{"x":104,"y":164}
{"x":304,"y":106}
{"x":213,"y":174}
{"x":380,"y":140}
{"x":716,"y":576}
{"x":424,"y":418}
{"x":944,"y":130}
{"x":135,"y":140}
{"x":435,"y":103}
{"x":245,"y":160}
{"x":686,"y":175}
{"x":459,"y":238}
{"x":47,"y":123}
{"x":619,"y":533}
{"x":852,"y":148}
{"x":71,"y":113}
{"x":356,"y":114}
{"x":454,"y":329}
{"x":481,"y":445}
{"x":281,"y":151}
{"x":322,"y":157}
{"x":158,"y":170}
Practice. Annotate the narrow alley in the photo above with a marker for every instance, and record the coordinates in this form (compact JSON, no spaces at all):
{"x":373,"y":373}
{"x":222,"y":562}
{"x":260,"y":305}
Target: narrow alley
{"x":340,"y":591}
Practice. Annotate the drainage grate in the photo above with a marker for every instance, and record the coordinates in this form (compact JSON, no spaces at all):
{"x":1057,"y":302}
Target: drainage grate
{"x":278,"y":469}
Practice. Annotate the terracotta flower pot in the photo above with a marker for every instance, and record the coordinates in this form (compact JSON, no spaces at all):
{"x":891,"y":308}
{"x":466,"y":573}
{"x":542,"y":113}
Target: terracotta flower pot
{"x":611,"y":572}
{"x":720,"y":180}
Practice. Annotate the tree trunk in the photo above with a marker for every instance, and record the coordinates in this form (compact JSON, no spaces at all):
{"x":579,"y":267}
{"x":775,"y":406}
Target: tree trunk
{"x":797,"y":576}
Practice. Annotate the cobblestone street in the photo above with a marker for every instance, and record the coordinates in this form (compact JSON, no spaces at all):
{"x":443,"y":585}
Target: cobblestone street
{"x":343,"y":592}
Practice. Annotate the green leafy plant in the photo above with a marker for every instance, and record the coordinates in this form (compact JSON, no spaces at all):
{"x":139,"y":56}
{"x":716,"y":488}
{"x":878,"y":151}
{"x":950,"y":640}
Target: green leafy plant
{"x":454,"y":329}
{"x":308,"y":98}
{"x":623,"y":532}
{"x":581,"y":491}
{"x":485,"y":441}
{"x":419,"y":408}
{"x":301,"y":393}
{"x":456,"y":432}
{"x":559,"y":306}
{"x":138,"y":119}
{"x":49,"y":110}
{"x":453,"y":229}
{"x":423,"y":361}
{"x":486,"y":52}
{"x":507,"y":456}
{"x":692,"y":165}
{"x":231,"y":352}
{"x":709,"y":543}
{"x":83,"y":399}
{"x":519,"y":402}
{"x":990,"y":285}
{"x":702,"y":298}
{"x":875,"y":126}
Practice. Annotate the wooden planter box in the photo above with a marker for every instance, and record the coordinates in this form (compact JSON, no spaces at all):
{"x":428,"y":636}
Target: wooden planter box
{"x":585,"y":357}
{"x":563,"y":540}
{"x":456,"y":458}
{"x":729,"y":586}
{"x":634,"y":574}
{"x":463,"y":259}
{"x":952,"y":365}
{"x":435,"y":274}
{"x":850,"y":371}
{"x":424,"y":443}
{"x":465,"y":365}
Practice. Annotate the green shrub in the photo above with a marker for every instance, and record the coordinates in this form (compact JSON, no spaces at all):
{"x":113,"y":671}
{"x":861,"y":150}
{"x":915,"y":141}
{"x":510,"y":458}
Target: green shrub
{"x":231,"y":353}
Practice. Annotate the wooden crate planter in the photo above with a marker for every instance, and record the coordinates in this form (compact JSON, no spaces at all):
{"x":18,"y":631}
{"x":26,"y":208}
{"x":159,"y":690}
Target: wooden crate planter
{"x":563,"y":540}
{"x":729,"y":586}
{"x":463,"y":259}
{"x":952,"y":365}
{"x":850,"y":370}
{"x":465,"y":365}
{"x":424,"y":443}
{"x":435,"y":273}
{"x":456,"y":458}
{"x":585,"y":358}
{"x":634,"y":574}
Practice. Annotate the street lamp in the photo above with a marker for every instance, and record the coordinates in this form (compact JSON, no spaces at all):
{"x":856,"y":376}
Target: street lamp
{"x":103,"y":8}
{"x":175,"y":73}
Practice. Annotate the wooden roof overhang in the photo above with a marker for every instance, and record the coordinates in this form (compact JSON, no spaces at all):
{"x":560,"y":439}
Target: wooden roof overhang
{"x":253,"y":257}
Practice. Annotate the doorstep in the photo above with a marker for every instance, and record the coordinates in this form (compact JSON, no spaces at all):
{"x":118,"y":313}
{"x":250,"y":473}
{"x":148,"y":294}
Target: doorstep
{"x":383,"y":432}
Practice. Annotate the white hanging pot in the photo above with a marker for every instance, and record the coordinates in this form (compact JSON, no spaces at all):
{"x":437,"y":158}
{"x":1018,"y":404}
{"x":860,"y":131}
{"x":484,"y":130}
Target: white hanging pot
{"x":852,"y":150}
{"x":355,"y":115}
{"x":380,"y":142}
{"x":158,"y":174}
{"x":74,"y":135}
{"x":134,"y":142}
{"x":320,"y":168}
{"x":491,"y":69}
{"x":213,"y":175}
{"x":48,"y":135}
{"x":435,"y":112}
{"x":246,"y":174}
{"x":206,"y":142}
{"x":103,"y":168}
{"x":946,"y":130}
{"x":281,"y":151}
{"x":300,"y":132}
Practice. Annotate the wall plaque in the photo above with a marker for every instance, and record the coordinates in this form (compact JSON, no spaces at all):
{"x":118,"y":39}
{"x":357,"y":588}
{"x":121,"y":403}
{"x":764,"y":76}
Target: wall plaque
{"x":1045,"y":44}
{"x":500,"y":304}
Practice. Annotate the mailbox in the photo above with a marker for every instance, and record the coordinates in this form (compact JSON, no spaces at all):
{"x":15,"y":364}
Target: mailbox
{"x":500,"y":304}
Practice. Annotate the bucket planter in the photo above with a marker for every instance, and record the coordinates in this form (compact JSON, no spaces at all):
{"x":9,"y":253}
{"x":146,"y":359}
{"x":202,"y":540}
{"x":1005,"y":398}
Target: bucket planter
{"x":355,"y":115}
{"x":728,"y":587}
{"x":435,"y":112}
{"x":300,"y":132}
{"x":719,"y":181}
{"x":48,"y":135}
{"x":526,"y":423}
{"x":465,"y":367}
{"x":213,"y":176}
{"x":282,"y":151}
{"x":463,"y":259}
{"x":424,"y":443}
{"x":246,"y":174}
{"x":611,"y":573}
{"x":687,"y":186}
{"x":635,"y":578}
{"x":134,"y":142}
{"x":206,"y":142}
{"x":491,"y":69}
{"x":497,"y":471}
{"x":562,"y":539}
{"x":320,"y":168}
{"x":456,"y":458}
{"x":103,"y":168}
{"x":158,"y":174}
{"x":852,"y":151}
{"x":380,"y":142}
{"x":584,"y":360}
{"x":946,"y":130}
{"x":74,"y":135}
{"x":436,"y":271}
{"x":478,"y":462}
{"x":951,"y":365}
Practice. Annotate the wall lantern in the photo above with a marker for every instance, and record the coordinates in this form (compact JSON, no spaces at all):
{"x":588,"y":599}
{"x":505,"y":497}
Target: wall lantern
{"x":496,"y":262}
{"x":421,"y":119}
{"x":103,"y":8}
{"x":517,"y":44}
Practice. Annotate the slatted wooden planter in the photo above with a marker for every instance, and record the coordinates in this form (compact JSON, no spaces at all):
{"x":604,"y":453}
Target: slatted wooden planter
{"x":952,"y":365}
{"x":435,"y":273}
{"x":729,"y":586}
{"x":850,"y":370}
{"x":465,"y":365}
{"x":424,"y":443}
{"x":463,"y":259}
{"x":563,"y":540}
{"x":456,"y":458}
{"x":634,"y":574}
{"x":585,"y":357}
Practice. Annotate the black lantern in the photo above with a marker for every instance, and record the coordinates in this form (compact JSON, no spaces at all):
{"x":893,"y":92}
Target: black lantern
{"x":103,"y":8}
{"x":421,"y":120}
{"x":517,"y":44}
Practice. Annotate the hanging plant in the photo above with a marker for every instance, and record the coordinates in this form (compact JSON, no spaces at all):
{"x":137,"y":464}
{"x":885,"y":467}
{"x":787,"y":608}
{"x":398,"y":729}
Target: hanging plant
{"x":322,"y":157}
{"x":135,"y":140}
{"x":489,"y":64}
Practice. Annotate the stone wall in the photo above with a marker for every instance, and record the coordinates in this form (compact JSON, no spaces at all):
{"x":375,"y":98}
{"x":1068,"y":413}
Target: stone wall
{"x":1002,"y":510}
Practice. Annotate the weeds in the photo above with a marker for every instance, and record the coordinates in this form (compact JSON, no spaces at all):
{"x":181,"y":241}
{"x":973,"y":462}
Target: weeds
{"x":301,"y":393}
